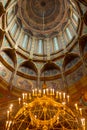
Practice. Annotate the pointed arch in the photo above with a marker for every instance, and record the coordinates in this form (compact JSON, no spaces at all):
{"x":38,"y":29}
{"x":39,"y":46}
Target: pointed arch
{"x":10,"y":52}
{"x":71,"y":59}
{"x":50,"y":69}
{"x":29,"y":64}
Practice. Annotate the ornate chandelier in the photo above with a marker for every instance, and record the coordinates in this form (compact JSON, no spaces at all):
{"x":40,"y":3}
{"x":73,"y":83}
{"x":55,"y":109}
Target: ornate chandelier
{"x":45,"y":109}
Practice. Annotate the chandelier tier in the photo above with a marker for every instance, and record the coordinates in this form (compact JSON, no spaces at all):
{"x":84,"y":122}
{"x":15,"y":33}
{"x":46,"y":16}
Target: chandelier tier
{"x":45,"y":110}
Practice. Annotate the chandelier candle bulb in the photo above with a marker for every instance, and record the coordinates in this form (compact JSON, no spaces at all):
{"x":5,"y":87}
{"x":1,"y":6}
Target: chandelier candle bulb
{"x":36,"y":92}
{"x":83,"y":123}
{"x":44,"y":92}
{"x":39,"y":93}
{"x":23,"y":96}
{"x":76,"y":106}
{"x":57,"y":94}
{"x":60,"y":97}
{"x":80,"y":110}
{"x":33,"y":92}
{"x":58,"y":118}
{"x":10,"y":108}
{"x":64,"y":103}
{"x":35,"y":116}
{"x":7,"y":124}
{"x":68,"y":98}
{"x":24,"y":103}
{"x":19,"y":100}
{"x":8,"y":114}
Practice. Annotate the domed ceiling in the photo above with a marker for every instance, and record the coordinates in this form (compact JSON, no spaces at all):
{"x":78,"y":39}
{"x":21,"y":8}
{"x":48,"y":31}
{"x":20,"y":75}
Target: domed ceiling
{"x":47,"y":25}
{"x":43,"y":18}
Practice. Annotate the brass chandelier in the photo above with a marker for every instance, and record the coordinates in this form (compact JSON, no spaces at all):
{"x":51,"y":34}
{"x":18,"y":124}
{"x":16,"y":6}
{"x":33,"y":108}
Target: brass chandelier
{"x":45,"y":109}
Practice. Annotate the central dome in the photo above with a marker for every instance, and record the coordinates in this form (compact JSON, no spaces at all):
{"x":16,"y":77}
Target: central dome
{"x":43,"y":17}
{"x":41,"y":7}
{"x":45,"y":28}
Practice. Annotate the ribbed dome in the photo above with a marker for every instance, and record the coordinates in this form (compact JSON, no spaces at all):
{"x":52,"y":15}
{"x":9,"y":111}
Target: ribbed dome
{"x":47,"y":25}
{"x":53,"y":15}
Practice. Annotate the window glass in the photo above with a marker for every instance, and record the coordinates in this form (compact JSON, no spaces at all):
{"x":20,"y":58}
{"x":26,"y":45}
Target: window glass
{"x":56,"y":46}
{"x":25,"y":41}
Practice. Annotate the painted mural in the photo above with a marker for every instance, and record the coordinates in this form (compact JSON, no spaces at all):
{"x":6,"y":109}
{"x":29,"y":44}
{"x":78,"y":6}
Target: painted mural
{"x":23,"y":84}
{"x":51,"y":72}
{"x":56,"y":84}
{"x":5,"y":73}
{"x":27,"y":70}
{"x":7,"y":59}
{"x":72,"y":63}
{"x":75,"y":76}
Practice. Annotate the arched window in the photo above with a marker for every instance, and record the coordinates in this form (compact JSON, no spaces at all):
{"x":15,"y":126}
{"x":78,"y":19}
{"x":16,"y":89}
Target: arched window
{"x":25,"y":41}
{"x":69,"y":33}
{"x":10,"y":15}
{"x":13,"y":30}
{"x":40,"y":46}
{"x":5,"y":1}
{"x":75,"y":17}
{"x":27,"y":70}
{"x":29,"y":44}
{"x":56,"y":46}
